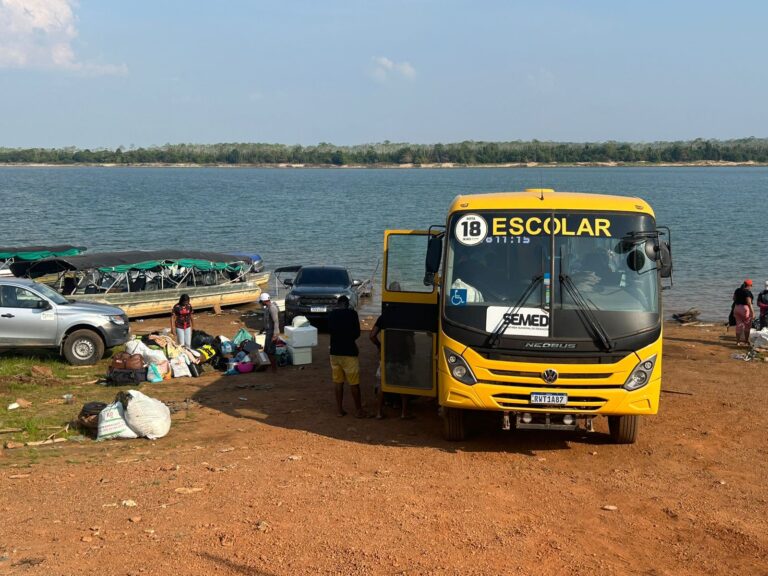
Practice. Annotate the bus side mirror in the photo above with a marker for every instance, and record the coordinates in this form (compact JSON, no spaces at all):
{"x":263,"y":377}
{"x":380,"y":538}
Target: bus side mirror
{"x":665,"y":258}
{"x":432,"y":261}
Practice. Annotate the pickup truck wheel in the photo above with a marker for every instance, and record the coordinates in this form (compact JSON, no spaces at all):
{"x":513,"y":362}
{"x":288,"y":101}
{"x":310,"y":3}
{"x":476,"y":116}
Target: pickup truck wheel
{"x":454,"y":427}
{"x":83,"y":348}
{"x":624,"y":429}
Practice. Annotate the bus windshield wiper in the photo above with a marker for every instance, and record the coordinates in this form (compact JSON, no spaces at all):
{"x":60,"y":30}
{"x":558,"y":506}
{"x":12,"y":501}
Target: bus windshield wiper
{"x":585,"y":312}
{"x":493,"y":338}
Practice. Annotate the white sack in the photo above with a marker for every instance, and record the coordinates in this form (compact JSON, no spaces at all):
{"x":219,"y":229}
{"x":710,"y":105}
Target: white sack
{"x":112,"y":423}
{"x":147,"y":416}
{"x":136,"y":346}
{"x":759,"y":338}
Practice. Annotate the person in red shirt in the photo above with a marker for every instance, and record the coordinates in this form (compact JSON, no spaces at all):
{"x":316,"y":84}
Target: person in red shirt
{"x":181,"y":321}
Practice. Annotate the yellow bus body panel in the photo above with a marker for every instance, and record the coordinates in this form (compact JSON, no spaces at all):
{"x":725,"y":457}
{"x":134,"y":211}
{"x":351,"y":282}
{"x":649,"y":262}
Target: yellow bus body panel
{"x":545,"y":199}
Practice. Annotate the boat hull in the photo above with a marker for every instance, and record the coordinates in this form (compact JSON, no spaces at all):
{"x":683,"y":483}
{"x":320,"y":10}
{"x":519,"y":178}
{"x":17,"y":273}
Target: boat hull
{"x":160,"y":302}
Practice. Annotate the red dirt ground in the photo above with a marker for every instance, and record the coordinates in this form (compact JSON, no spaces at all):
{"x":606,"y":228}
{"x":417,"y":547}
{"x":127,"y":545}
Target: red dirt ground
{"x":261,"y":478}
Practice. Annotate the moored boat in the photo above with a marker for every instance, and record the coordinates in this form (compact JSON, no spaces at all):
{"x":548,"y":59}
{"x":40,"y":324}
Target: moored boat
{"x":9,"y":255}
{"x":147,"y":283}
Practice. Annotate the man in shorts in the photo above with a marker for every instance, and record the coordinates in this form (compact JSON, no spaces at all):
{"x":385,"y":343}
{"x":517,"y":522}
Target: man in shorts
{"x":344,"y":328}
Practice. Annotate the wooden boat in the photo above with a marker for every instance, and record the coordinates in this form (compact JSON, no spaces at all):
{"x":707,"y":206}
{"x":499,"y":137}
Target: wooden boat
{"x":148,"y":283}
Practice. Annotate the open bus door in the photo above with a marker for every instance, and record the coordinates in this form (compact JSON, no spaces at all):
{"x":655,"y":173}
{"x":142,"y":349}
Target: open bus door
{"x":410,"y":313}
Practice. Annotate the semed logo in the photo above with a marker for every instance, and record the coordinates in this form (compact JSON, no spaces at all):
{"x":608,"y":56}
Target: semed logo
{"x":549,"y":376}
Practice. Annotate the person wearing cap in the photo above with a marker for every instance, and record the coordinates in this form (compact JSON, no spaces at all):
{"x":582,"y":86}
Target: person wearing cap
{"x":344,"y":328}
{"x":271,"y":328}
{"x":762,"y":302}
{"x":742,"y":311}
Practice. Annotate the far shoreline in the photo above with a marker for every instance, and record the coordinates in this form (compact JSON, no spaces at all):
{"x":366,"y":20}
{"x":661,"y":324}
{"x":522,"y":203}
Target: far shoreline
{"x":432,"y":166}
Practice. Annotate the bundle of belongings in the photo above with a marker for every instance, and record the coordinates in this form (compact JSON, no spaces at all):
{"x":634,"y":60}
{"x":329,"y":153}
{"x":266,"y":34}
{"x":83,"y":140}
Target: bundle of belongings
{"x":156,"y":357}
{"x":241,"y":354}
{"x":131,"y":415}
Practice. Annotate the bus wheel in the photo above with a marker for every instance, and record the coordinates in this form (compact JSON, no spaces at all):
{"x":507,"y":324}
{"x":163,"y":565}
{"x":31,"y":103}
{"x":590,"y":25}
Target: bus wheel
{"x":454,"y":427}
{"x":624,"y":429}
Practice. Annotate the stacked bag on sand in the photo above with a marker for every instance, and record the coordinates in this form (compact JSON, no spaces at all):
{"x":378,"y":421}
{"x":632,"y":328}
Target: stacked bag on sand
{"x":134,"y":415}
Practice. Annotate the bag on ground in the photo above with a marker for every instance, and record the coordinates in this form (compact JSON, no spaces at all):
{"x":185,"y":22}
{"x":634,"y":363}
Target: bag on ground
{"x":88,"y":419}
{"x":112,"y":423}
{"x":120,"y":377}
{"x":147,"y":416}
{"x":136,"y":346}
{"x":179,"y":367}
{"x":241,"y":336}
{"x":153,"y":374}
{"x":126,"y":361}
{"x":205,"y":353}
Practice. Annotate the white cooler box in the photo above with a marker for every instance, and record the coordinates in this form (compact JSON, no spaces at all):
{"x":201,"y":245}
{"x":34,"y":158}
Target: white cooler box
{"x":301,"y":336}
{"x":300,"y":355}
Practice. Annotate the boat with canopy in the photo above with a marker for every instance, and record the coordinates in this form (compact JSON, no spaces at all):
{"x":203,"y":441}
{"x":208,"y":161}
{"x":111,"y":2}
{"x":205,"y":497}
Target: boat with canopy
{"x":9,"y":255}
{"x":150,"y":282}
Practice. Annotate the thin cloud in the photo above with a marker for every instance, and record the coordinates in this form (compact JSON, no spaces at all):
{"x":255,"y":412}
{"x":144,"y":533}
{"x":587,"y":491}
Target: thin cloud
{"x":40,"y":33}
{"x":384,"y":69}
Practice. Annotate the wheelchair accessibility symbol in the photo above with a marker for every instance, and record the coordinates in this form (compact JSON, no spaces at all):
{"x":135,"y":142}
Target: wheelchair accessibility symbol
{"x":458,"y":296}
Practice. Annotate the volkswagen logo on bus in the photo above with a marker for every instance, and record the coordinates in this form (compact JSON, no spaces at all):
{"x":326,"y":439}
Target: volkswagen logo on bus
{"x":549,"y":376}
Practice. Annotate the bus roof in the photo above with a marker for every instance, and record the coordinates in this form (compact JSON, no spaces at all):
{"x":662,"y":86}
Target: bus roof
{"x":548,"y":199}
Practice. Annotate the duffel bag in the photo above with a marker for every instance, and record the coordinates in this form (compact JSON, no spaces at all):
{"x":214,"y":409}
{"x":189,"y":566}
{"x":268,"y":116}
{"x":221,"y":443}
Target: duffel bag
{"x":119,"y":376}
{"x":126,"y":361}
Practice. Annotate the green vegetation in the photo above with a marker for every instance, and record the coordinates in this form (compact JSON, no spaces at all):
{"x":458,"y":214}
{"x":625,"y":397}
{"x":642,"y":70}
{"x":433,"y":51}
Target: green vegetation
{"x":47,"y":413}
{"x":388,"y":153}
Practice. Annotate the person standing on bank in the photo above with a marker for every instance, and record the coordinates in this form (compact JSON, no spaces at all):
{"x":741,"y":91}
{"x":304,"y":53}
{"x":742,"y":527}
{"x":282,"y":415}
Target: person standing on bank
{"x":181,"y":321}
{"x":344,"y":328}
{"x":762,"y":302}
{"x":742,"y":300}
{"x":271,"y":328}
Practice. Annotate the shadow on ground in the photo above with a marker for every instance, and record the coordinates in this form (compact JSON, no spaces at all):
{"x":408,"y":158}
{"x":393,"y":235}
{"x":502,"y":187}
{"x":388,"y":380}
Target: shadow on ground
{"x":301,"y":398}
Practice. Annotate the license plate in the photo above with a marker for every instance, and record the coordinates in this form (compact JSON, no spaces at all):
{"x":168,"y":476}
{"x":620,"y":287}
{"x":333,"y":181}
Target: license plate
{"x":317,"y":309}
{"x":549,"y":398}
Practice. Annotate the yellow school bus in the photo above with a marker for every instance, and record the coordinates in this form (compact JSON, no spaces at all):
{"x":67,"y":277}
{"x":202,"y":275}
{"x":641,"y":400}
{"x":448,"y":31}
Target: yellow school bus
{"x":542,"y":307}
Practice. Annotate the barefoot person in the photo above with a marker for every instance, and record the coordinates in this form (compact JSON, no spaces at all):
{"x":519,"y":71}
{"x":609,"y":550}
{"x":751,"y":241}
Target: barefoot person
{"x":344,"y":328}
{"x":742,"y":300}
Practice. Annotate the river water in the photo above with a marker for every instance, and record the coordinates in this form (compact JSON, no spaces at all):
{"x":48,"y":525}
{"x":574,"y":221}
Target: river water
{"x":337,"y":216}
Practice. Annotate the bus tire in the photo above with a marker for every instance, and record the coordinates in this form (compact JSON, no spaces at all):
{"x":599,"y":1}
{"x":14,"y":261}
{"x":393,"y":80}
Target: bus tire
{"x":454,"y":425}
{"x":83,"y":348}
{"x":624,"y":429}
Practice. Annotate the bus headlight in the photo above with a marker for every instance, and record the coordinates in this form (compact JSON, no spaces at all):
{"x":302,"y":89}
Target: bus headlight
{"x":459,"y":368}
{"x":641,"y":374}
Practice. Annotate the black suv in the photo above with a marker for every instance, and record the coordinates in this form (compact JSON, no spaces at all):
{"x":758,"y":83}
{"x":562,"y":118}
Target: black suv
{"x":315,"y":292}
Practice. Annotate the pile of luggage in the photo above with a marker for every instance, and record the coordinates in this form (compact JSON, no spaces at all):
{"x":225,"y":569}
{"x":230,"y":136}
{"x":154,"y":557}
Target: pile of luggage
{"x":156,"y":357}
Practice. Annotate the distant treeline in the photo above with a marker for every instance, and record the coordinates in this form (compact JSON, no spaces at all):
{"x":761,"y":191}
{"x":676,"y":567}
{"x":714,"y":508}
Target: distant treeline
{"x":387,"y":153}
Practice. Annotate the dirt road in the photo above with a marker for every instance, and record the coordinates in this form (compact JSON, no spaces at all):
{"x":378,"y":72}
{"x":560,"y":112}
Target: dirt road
{"x":261,"y":478}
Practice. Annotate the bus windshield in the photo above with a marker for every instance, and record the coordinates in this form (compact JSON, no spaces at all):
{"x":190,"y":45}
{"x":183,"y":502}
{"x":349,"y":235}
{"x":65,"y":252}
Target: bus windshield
{"x":545,"y":269}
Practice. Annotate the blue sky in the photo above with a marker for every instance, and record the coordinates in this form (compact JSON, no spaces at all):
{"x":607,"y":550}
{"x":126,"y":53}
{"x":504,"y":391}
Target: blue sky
{"x":104,"y":73}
